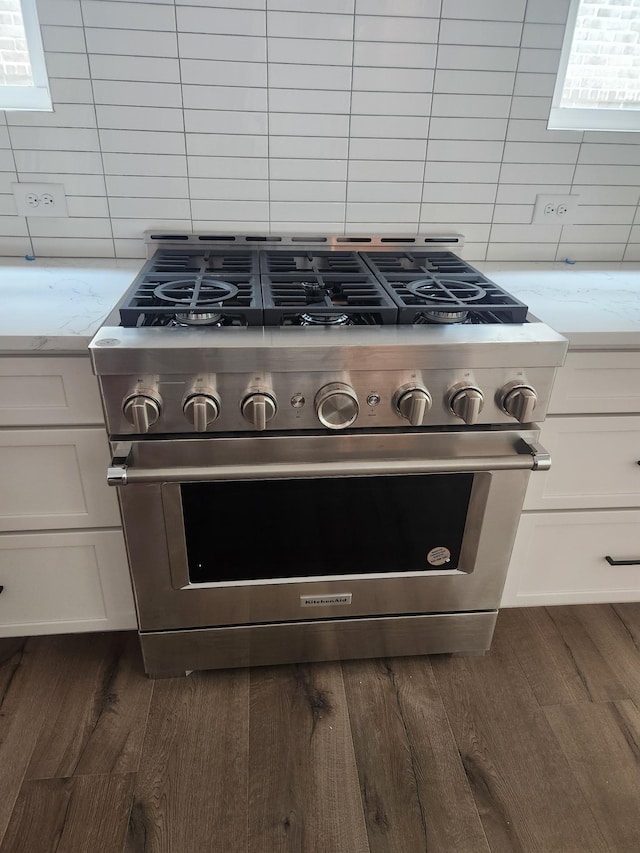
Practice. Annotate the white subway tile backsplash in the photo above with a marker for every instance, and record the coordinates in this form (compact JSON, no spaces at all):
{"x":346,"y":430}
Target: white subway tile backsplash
{"x":147,"y":187}
{"x":527,"y":193}
{"x":6,"y":160}
{"x":10,"y":224}
{"x":50,"y":139}
{"x":471,"y":106}
{"x":548,"y":36}
{"x":225,"y":4}
{"x":398,"y":55}
{"x":459,"y":128}
{"x":530,"y":108}
{"x":600,"y":214}
{"x":340,"y":7}
{"x":313,"y":211}
{"x":536,"y":173}
{"x":382,"y":211}
{"x":617,"y":195}
{"x":221,"y":21}
{"x":138,"y":208}
{"x":141,"y":142}
{"x":480,"y":82}
{"x":234,"y":48}
{"x":466,"y":212}
{"x":389,"y":104}
{"x":300,"y":124}
{"x":63,"y":39}
{"x":310,"y":51}
{"x":613,"y":175}
{"x":536,"y":85}
{"x":303,"y":25}
{"x":488,"y":10}
{"x":75,"y":65}
{"x":515,"y":251}
{"x":392,"y":80}
{"x":75,"y":185}
{"x":127,"y":15}
{"x":459,"y":193}
{"x":477,"y":58}
{"x":480,"y":151}
{"x":61,"y":12}
{"x":309,"y":101}
{"x":547,"y":11}
{"x":309,"y":147}
{"x":70,"y":91}
{"x":131,"y":42}
{"x":391,"y":149}
{"x":134,"y":68}
{"x":139,"y":118}
{"x":231,"y":189}
{"x":226,"y":145}
{"x":494,"y":33}
{"x":224,"y":98}
{"x":596,"y":233}
{"x":621,"y":155}
{"x":281,"y":169}
{"x":15,"y":246}
{"x":410,"y":8}
{"x":505,"y":213}
{"x":443,"y":172}
{"x":591,"y":251}
{"x":72,"y":247}
{"x":309,"y":76}
{"x":519,"y":233}
{"x":213,"y":72}
{"x":307,"y":191}
{"x":64,"y":115}
{"x":247,"y":168}
{"x":68,"y":227}
{"x":402,"y":127}
{"x":87,"y":205}
{"x":252,"y":211}
{"x":541,"y":152}
{"x":225,"y":121}
{"x":535,"y":130}
{"x":539,"y":60}
{"x":131,"y":229}
{"x":381,"y":191}
{"x":117,"y":92}
{"x":396,"y":29}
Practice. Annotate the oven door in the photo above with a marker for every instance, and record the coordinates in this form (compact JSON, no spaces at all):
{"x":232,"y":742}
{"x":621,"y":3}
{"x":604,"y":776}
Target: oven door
{"x":238,"y":531}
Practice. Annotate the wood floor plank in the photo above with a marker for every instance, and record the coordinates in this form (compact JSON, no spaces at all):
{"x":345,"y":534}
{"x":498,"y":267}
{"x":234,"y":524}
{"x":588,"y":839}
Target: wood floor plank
{"x":602,"y":744}
{"x":528,"y":798}
{"x":86,"y":814}
{"x":28,"y":677}
{"x":304,"y":795}
{"x":415,"y":792}
{"x":191,"y":793}
{"x":96,"y":722}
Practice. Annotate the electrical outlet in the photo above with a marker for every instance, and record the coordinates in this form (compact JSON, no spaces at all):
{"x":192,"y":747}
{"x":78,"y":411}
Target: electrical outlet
{"x":40,"y":199}
{"x":555,"y":209}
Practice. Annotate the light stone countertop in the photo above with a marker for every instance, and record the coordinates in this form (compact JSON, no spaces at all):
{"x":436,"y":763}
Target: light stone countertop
{"x":57,"y":304}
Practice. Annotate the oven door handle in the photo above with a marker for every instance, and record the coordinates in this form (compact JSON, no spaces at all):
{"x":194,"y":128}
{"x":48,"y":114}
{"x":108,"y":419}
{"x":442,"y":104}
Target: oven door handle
{"x":529,"y":456}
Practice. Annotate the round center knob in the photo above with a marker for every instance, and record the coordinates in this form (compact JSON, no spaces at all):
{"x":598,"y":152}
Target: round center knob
{"x":412,"y":403}
{"x":337,"y":405}
{"x":142,"y":410}
{"x":258,"y":408}
{"x":201,"y":410}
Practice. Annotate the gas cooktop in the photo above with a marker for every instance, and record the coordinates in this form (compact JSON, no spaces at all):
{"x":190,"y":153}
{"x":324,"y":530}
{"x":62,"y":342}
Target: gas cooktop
{"x":193,"y":280}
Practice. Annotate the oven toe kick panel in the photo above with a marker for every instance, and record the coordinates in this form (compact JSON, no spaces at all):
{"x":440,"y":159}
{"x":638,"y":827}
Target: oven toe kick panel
{"x":170,"y":653}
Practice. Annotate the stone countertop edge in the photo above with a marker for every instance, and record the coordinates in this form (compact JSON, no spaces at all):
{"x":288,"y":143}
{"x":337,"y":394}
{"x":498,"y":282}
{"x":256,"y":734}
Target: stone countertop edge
{"x":55,"y":305}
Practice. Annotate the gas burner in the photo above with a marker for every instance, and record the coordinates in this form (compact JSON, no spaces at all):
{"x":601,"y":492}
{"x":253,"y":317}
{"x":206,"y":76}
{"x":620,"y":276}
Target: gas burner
{"x":309,"y":319}
{"x":442,"y":292}
{"x":198,"y":318}
{"x":197,"y":292}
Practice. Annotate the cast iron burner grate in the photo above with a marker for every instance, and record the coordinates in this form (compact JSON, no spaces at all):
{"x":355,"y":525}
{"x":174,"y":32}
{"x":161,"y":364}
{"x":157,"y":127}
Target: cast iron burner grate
{"x":439,"y":287}
{"x":290,"y":299}
{"x":348,"y":263}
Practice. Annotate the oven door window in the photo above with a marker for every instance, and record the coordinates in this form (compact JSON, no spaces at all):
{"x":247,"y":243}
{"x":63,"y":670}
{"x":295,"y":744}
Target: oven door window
{"x":269,"y":529}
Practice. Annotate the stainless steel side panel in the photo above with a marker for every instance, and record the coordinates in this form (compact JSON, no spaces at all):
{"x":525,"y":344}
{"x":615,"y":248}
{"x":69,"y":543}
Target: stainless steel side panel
{"x":172,"y":653}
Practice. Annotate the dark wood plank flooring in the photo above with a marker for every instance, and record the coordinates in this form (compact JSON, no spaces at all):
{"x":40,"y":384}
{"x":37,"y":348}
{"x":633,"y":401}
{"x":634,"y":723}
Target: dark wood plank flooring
{"x":534,"y":747}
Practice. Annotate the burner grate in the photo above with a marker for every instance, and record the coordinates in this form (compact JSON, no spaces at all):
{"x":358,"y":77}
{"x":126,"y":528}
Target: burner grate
{"x":289,"y":296}
{"x":348,"y":263}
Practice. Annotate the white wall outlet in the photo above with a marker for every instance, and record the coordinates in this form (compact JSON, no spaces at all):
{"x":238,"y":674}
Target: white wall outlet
{"x":40,"y":199}
{"x":555,"y":209}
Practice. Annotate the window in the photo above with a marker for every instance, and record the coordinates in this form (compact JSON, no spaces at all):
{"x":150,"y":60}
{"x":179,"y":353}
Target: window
{"x":598,"y":84}
{"x":23,"y":75}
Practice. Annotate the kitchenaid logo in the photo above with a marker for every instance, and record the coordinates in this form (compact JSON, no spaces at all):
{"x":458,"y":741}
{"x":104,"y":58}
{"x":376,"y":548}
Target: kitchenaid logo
{"x":324,"y":600}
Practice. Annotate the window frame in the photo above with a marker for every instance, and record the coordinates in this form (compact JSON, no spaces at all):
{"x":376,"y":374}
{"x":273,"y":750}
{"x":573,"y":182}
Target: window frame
{"x":574,"y":118}
{"x":36,"y":96}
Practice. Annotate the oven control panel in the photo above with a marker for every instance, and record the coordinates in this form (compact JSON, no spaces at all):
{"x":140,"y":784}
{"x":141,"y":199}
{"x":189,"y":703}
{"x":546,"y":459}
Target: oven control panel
{"x":231,"y":402}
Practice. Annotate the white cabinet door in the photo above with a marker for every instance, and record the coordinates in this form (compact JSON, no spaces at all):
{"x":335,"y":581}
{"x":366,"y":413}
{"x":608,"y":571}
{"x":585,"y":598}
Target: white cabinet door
{"x":39,"y":391}
{"x":560,"y":558}
{"x":63,"y":582}
{"x":597,"y":382}
{"x":594,"y":463}
{"x":54,"y":479}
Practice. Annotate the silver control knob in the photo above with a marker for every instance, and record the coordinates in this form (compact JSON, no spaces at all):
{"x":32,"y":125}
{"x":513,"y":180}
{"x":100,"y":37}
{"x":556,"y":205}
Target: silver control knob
{"x":201,"y":410}
{"x":258,"y":408}
{"x":142,"y":410}
{"x":519,"y":401}
{"x":466,"y":402}
{"x":412,"y":402}
{"x":336,"y":405}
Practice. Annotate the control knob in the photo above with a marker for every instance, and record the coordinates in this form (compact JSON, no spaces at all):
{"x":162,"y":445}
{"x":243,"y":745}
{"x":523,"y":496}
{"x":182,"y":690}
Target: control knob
{"x":258,"y":408}
{"x":142,"y":409}
{"x":412,"y":402}
{"x":336,"y":405}
{"x":201,"y":409}
{"x":466,"y":402}
{"x":519,"y":401}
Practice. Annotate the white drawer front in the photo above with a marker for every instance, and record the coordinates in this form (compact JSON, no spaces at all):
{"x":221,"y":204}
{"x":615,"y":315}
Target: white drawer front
{"x":594,"y":463}
{"x":39,"y":391}
{"x":559,"y":558}
{"x":61,"y":582}
{"x":55,"y":478}
{"x":597,"y":382}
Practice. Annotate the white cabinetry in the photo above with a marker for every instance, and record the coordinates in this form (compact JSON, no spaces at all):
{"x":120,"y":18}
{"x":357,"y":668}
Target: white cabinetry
{"x":63,"y":564}
{"x":587,"y":507}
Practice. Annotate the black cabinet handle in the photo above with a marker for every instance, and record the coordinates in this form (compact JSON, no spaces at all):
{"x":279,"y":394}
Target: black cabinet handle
{"x":613,"y":562}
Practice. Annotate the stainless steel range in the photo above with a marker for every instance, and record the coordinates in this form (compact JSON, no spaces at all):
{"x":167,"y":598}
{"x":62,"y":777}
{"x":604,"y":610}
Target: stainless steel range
{"x":321,"y":446}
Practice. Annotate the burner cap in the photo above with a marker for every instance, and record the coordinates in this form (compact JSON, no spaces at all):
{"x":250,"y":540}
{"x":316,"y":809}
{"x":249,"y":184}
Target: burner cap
{"x":198,"y":318}
{"x":325,"y":320}
{"x":196,"y":292}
